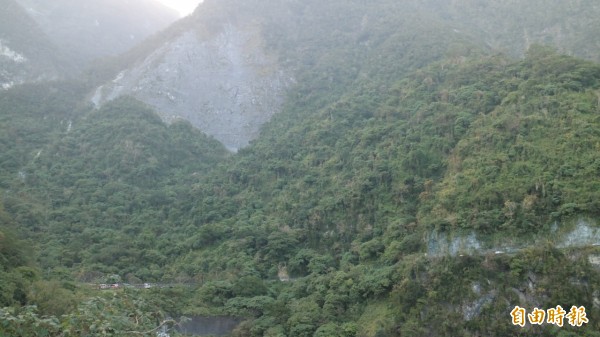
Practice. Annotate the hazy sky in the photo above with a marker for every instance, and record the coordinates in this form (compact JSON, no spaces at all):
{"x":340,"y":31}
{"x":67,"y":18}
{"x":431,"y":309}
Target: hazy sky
{"x":184,"y":7}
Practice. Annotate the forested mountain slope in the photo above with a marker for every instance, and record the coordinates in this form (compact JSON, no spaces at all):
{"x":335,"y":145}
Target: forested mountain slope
{"x":83,"y":178}
{"x":346,"y":199}
{"x":394,"y":133}
{"x":82,"y":188}
{"x":342,"y":202}
{"x":228,"y":67}
{"x":511,"y":26}
{"x":532,"y":159}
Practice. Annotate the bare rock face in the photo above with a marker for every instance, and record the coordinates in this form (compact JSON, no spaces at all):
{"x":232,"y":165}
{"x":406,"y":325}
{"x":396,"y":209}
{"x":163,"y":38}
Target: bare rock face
{"x":224,"y":83}
{"x":14,"y":67}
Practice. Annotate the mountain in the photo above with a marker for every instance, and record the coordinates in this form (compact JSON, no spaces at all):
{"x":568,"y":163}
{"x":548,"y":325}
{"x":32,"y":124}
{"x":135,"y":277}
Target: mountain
{"x":415,"y":180}
{"x":513,"y":26}
{"x":88,"y":30}
{"x":431,"y":207}
{"x":42,"y":40}
{"x":26,"y":53}
{"x":217,"y":75}
{"x":135,"y":167}
{"x":228,"y":68}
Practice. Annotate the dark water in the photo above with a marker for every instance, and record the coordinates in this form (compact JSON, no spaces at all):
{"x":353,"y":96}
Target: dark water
{"x":210,"y":326}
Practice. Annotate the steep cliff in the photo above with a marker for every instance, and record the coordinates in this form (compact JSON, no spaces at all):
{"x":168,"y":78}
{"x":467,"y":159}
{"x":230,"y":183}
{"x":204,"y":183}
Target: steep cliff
{"x":226,"y":83}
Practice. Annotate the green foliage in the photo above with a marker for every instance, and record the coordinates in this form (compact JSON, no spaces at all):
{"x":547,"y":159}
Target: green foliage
{"x":16,"y":271}
{"x":454,"y":145}
{"x":516,"y":167}
{"x":387,"y":135}
{"x":336,"y":330}
{"x":121,"y":175}
{"x":124,"y":315}
{"x":25,"y":322}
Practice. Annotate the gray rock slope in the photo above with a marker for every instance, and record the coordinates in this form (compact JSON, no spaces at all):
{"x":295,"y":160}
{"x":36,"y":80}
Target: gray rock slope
{"x":224,"y":82}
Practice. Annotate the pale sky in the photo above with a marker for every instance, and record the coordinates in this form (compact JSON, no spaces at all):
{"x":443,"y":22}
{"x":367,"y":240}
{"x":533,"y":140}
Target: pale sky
{"x":184,"y":7}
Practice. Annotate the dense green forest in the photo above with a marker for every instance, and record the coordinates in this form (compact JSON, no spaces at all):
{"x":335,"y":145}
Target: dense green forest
{"x":343,"y":201}
{"x":388,"y":140}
